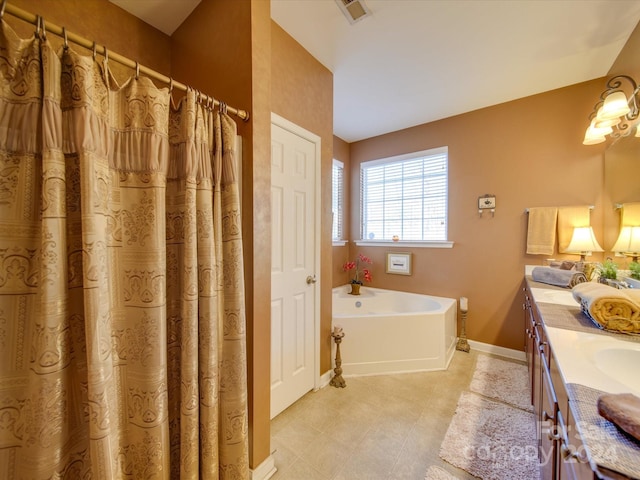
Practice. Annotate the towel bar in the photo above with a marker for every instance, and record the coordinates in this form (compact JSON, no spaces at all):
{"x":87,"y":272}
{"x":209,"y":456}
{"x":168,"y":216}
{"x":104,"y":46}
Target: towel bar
{"x":591,"y":207}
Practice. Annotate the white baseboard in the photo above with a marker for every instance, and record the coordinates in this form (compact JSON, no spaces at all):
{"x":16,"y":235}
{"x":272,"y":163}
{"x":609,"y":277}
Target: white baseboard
{"x":496,"y":350}
{"x":265,"y":470}
{"x":325,"y":378}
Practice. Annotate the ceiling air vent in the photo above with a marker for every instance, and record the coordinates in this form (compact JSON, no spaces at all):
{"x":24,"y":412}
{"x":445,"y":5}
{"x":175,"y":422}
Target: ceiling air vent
{"x":354,"y":10}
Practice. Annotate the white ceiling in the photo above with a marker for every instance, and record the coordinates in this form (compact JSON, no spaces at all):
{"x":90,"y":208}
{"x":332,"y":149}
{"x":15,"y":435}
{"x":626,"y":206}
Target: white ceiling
{"x":416,"y":61}
{"x":165,"y":15}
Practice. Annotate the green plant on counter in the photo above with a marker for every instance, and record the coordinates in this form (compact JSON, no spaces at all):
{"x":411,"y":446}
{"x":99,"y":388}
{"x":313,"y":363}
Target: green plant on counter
{"x":608,"y":269}
{"x":635,"y":270}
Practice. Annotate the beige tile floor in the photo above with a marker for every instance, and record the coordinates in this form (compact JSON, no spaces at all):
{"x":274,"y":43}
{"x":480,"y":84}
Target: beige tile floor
{"x":377,"y":428}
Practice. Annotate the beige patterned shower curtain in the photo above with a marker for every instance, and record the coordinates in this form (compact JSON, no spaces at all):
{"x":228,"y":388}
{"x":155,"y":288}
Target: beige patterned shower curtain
{"x":122,"y":322}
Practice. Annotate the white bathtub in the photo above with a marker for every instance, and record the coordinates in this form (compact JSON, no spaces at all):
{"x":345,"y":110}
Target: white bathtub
{"x":387,"y":331}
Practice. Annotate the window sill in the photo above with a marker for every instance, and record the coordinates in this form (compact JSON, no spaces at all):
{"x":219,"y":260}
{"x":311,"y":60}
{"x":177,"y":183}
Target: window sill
{"x":339,"y":243}
{"x":404,"y":244}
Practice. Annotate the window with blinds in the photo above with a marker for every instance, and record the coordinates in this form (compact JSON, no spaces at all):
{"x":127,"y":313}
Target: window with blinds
{"x":405,"y":197}
{"x":337,"y":200}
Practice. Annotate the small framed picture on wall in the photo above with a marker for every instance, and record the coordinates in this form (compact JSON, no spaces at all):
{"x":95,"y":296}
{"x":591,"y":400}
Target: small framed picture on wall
{"x":399,"y":263}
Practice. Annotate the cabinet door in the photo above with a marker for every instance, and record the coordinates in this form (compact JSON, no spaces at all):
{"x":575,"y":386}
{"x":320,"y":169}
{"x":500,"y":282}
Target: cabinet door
{"x":529,"y":340}
{"x":536,"y":388}
{"x":573,"y":462}
{"x":548,"y":420}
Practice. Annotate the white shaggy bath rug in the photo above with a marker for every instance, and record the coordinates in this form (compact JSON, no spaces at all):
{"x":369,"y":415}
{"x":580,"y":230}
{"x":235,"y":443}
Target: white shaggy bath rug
{"x":437,"y":473}
{"x":502,"y":380}
{"x":491,"y":440}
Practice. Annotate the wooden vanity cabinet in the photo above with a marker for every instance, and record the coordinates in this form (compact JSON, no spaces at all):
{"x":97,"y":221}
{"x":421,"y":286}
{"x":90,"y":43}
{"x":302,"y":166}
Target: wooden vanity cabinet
{"x":560,"y":450}
{"x":543,"y":397}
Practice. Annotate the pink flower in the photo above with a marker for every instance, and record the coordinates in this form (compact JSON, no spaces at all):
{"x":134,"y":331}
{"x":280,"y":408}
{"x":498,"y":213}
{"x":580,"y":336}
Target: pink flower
{"x":359,"y":272}
{"x":367,"y":275}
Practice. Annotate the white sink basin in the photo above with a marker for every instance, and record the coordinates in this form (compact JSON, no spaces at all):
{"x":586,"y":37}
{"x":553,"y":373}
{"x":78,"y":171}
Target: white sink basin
{"x":621,"y":364}
{"x":600,"y":361}
{"x":560,"y":297}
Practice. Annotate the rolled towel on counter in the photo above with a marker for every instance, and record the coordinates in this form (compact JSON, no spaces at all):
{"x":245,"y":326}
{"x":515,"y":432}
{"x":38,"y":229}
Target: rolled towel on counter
{"x":623,"y":409}
{"x":609,"y":308}
{"x":558,"y":277}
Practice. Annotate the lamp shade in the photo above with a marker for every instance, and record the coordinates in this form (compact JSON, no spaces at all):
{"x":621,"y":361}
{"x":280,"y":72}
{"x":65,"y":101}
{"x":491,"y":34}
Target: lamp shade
{"x":600,"y":122}
{"x":615,"y":105}
{"x":595,"y":134}
{"x":590,"y":139}
{"x":583,"y":241}
{"x":628,"y":241}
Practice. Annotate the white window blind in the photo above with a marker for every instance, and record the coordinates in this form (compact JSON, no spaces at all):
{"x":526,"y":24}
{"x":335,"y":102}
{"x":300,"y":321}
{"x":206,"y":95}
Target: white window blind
{"x":337,"y":200}
{"x":405,"y":196}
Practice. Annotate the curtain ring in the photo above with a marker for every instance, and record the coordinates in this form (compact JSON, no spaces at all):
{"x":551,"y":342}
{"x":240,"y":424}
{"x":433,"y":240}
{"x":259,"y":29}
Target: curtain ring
{"x":44,"y":30}
{"x":106,"y":56}
{"x":137,"y":70}
{"x":95,"y":51}
{"x":38,"y":25}
{"x":170,"y":85}
{"x":4,"y":4}
{"x":66,"y":41}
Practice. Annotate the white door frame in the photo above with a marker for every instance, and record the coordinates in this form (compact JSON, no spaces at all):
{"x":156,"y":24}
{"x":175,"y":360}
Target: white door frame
{"x":316,"y":140}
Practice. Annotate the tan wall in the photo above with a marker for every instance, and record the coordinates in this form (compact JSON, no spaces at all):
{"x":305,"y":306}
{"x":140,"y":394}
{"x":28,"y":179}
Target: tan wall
{"x":341,"y":151}
{"x":302,"y":92}
{"x":528,"y":153}
{"x":212,"y":51}
{"x":258,"y":184}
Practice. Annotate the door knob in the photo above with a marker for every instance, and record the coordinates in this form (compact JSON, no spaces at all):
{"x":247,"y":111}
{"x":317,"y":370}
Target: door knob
{"x":311,"y":279}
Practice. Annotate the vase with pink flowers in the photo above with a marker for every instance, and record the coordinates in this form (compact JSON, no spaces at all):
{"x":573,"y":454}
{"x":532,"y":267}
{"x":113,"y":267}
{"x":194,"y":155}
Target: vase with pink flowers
{"x":361,"y":273}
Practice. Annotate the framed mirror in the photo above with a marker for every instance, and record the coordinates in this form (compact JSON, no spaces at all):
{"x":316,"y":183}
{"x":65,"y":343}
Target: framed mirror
{"x":621,"y":185}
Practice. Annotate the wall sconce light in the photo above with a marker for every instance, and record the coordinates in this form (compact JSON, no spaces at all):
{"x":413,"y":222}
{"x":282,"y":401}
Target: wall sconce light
{"x":583,"y":242}
{"x":628,"y":242}
{"x":614,"y":114}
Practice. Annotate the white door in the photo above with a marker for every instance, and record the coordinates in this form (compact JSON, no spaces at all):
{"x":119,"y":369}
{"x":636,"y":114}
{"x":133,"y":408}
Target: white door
{"x":295,"y":159}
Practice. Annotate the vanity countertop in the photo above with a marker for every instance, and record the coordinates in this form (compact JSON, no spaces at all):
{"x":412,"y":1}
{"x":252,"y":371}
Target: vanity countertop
{"x":580,"y":347}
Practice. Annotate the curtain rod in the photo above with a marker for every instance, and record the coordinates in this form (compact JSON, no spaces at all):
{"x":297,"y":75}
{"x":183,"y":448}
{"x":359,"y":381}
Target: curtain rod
{"x":39,"y":22}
